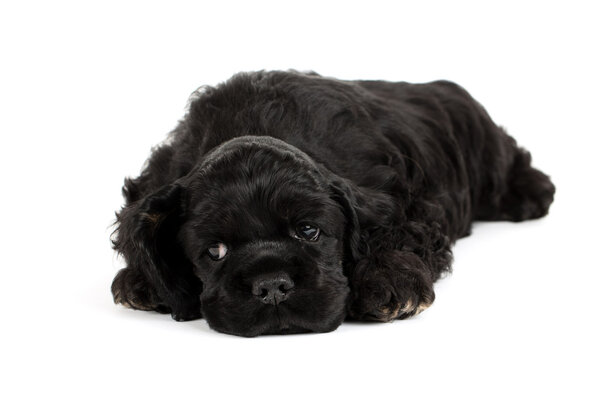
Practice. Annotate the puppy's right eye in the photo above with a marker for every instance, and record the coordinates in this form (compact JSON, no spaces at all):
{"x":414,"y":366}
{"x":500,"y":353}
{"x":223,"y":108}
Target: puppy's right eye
{"x":307,"y":232}
{"x":217,"y":251}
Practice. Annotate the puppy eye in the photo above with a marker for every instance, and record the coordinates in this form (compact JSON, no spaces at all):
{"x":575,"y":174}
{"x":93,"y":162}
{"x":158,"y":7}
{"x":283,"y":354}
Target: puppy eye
{"x":307,"y":232}
{"x":217,"y":252}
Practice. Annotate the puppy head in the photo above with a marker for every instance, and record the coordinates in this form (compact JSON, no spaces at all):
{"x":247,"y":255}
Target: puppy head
{"x":264,"y":231}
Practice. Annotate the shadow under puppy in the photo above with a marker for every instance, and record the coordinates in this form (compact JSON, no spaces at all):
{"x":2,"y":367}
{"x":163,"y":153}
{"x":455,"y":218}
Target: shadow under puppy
{"x":286,"y":202}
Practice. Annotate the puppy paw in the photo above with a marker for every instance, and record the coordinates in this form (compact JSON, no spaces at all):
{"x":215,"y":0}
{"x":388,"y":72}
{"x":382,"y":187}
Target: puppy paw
{"x":530,"y":191}
{"x":400,"y":310}
{"x":411,"y":302}
{"x":392,"y":291}
{"x":186,"y":313}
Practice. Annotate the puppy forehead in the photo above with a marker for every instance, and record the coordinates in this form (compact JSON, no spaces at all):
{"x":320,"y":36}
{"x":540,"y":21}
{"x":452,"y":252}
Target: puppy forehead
{"x":252,"y":150}
{"x":251,"y":166}
{"x":259,"y":185}
{"x":258,"y":200}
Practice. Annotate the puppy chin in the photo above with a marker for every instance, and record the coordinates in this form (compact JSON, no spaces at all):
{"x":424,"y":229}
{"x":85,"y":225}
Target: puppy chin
{"x":250,"y":320}
{"x":275,"y":328}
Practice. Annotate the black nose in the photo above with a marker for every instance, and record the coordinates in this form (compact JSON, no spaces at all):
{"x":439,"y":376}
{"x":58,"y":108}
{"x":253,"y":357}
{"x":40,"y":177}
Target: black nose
{"x":272,"y":288}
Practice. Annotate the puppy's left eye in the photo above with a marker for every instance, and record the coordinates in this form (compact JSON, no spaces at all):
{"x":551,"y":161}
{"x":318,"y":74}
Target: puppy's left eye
{"x":307,"y":232}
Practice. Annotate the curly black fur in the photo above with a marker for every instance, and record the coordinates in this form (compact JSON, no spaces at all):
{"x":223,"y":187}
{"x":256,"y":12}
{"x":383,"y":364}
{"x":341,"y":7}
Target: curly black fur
{"x":391,"y":173}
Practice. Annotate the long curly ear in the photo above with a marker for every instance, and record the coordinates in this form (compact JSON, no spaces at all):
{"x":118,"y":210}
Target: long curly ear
{"x":344,"y":195}
{"x":365,"y":210}
{"x":158,"y":275}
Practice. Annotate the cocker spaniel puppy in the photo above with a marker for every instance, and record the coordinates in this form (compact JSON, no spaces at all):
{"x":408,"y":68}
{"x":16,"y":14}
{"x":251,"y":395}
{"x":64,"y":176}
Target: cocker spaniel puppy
{"x":286,"y":202}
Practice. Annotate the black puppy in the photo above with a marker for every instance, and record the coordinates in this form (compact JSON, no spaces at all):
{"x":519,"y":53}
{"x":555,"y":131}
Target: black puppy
{"x":287,"y":202}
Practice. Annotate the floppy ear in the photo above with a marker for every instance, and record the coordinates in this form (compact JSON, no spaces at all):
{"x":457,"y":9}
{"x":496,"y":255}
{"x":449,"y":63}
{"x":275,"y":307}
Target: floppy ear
{"x":344,"y":195}
{"x":365,"y":210}
{"x":157,"y":269}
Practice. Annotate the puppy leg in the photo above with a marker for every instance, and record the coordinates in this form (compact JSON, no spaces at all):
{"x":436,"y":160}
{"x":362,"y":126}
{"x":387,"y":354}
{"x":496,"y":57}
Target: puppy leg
{"x":395,"y":277}
{"x":394,"y":284}
{"x":515,"y":191}
{"x":131,"y":288}
{"x":529,"y":191}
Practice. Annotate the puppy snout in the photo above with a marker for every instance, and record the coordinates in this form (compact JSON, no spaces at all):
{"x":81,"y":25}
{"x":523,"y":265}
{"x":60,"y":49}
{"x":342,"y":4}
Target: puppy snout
{"x":272,"y":289}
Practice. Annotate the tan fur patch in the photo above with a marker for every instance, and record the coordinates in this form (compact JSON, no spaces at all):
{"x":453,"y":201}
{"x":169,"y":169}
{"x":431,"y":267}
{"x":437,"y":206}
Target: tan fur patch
{"x":154,"y":218}
{"x":408,"y":307}
{"x":422,"y":307}
{"x":131,"y":303}
{"x":388,"y":314}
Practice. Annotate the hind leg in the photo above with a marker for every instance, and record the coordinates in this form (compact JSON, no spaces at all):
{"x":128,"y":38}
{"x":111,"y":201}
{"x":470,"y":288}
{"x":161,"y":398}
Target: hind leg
{"x":529,"y":192}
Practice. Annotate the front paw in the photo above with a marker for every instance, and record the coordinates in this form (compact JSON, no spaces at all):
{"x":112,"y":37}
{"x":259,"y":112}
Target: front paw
{"x":398,"y":309}
{"x":186,"y":314}
{"x":395,"y":287}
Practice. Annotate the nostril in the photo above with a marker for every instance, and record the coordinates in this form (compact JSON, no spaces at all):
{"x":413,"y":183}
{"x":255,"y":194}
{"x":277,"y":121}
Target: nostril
{"x":272,"y":288}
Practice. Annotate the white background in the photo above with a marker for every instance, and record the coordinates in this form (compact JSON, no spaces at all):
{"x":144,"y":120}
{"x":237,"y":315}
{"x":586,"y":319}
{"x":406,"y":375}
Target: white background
{"x":86,"y":89}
